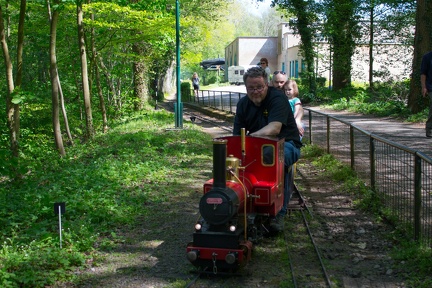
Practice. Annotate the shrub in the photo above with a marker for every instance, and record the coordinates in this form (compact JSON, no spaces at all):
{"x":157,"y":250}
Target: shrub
{"x":186,"y":89}
{"x":320,"y":81}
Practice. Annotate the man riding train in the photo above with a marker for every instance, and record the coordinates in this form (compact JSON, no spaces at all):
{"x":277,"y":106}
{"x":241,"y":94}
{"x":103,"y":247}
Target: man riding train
{"x":266,"y":112}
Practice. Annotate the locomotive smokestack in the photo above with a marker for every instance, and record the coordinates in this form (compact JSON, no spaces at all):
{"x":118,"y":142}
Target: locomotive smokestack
{"x":219,"y":159}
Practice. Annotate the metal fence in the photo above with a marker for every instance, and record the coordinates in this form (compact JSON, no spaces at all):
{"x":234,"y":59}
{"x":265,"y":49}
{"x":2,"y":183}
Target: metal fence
{"x":401,"y":176}
{"x":221,"y":100}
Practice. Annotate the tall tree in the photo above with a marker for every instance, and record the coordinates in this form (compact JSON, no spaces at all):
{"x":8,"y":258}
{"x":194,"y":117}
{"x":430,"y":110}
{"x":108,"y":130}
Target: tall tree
{"x":60,"y":90}
{"x":139,"y":74}
{"x":55,"y":83}
{"x":95,"y":61}
{"x":12,"y":106}
{"x":305,"y":26}
{"x":84,"y":71}
{"x":422,"y":44}
{"x":384,"y":22}
{"x":341,"y":28}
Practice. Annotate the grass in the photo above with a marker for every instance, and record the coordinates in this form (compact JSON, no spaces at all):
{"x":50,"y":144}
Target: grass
{"x":385,"y":100}
{"x":105,"y":184}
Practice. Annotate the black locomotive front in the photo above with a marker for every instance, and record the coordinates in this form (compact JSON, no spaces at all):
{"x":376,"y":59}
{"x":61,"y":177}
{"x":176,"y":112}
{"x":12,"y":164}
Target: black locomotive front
{"x":235,"y":205}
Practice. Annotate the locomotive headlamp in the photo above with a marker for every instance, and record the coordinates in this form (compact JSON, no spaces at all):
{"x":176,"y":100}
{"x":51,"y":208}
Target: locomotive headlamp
{"x":230,"y":258}
{"x":198,"y":226}
{"x":232,"y":228}
{"x":192,"y":255}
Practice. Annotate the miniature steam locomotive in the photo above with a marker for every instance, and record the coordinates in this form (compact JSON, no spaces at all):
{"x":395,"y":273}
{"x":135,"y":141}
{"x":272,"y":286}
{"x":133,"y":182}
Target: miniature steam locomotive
{"x":245,"y":193}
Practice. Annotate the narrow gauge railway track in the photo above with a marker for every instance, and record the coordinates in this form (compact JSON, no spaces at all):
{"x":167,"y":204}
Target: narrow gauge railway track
{"x":205,"y":279}
{"x":199,"y":118}
{"x":302,"y":247}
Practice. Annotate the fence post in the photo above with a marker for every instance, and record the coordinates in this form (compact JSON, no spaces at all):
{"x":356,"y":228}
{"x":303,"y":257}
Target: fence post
{"x":352,"y":146}
{"x":310,"y":126}
{"x":372,"y":161}
{"x":230,"y":103}
{"x":417,"y":196}
{"x":328,"y":134}
{"x":222,"y":104}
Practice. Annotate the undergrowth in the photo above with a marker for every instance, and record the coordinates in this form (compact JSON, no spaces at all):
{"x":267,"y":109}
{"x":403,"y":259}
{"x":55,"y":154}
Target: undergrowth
{"x":384,"y":100}
{"x":106,"y":184}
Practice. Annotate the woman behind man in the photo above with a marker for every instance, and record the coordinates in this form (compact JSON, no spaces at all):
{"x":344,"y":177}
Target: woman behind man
{"x":292,"y":92}
{"x":264,"y":65}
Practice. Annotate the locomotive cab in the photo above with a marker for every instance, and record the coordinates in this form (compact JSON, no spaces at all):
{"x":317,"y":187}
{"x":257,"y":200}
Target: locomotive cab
{"x":246,"y":190}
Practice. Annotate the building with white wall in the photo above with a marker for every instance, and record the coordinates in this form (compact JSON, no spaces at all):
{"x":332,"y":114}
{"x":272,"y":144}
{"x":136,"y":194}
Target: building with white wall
{"x":247,"y":52}
{"x":392,"y":59}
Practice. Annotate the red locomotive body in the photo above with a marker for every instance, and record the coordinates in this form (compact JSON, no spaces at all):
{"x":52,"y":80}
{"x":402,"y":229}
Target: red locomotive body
{"x":245,"y":193}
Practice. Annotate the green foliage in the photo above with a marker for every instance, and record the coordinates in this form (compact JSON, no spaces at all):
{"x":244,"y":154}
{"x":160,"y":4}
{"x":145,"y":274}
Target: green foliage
{"x":321,"y":81}
{"x":311,"y":151}
{"x":106,"y":184}
{"x":334,"y":168}
{"x":36,"y":264}
{"x":415,"y":261}
{"x":385,"y":99}
{"x":213,"y":78}
{"x":186,"y":92}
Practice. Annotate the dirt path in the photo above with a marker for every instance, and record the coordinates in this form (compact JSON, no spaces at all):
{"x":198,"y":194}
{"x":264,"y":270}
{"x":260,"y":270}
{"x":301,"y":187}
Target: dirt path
{"x":355,"y":248}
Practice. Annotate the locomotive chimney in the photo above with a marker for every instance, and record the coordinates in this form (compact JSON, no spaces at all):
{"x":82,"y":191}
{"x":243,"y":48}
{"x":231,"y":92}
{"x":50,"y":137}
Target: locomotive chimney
{"x":219,"y":159}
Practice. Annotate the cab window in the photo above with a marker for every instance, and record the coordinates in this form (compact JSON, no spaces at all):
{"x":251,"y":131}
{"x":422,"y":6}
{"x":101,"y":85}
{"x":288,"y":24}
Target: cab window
{"x":268,"y":155}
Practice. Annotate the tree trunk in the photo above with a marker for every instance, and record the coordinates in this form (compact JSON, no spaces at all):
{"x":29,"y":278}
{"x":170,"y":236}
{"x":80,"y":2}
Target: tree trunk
{"x":306,"y":35}
{"x":11,"y":109}
{"x":140,"y":80}
{"x":60,"y":91}
{"x":19,"y":73}
{"x":422,"y":45}
{"x":63,"y":109}
{"x":343,"y":30}
{"x":341,"y":65}
{"x":109,"y":80}
{"x":98,"y":81}
{"x":84,"y":73}
{"x":55,"y":83}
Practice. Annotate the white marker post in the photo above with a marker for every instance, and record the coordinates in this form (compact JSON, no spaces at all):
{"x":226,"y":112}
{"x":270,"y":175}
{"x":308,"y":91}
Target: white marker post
{"x":60,"y":208}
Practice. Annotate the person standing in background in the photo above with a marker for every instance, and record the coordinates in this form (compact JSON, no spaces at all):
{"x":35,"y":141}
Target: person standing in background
{"x":264,"y":65}
{"x":195,"y":83}
{"x":426,"y":84}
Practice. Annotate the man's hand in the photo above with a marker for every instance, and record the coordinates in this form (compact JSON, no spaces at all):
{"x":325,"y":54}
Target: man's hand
{"x":271,"y":129}
{"x":424,"y":92}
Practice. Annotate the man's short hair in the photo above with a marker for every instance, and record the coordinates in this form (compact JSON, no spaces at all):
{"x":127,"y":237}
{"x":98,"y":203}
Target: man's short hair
{"x":255,"y":72}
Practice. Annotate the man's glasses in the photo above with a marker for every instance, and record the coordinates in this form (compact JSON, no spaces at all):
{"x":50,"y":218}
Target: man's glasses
{"x":277,"y":72}
{"x":258,"y":89}
{"x":263,"y":63}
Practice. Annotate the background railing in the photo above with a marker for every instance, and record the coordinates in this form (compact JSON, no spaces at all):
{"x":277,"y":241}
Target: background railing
{"x":401,"y":176}
{"x":221,"y":100}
